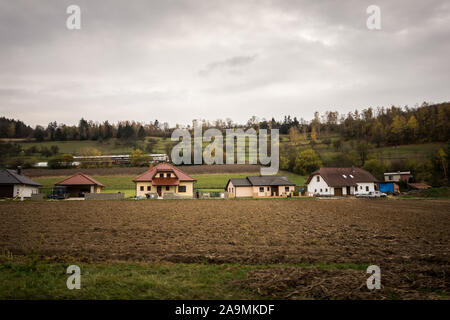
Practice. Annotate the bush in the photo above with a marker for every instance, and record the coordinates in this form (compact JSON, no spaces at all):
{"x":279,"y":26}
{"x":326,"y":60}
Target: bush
{"x":306,"y":162}
{"x":340,"y":160}
{"x":441,"y":192}
{"x":63,"y":161}
{"x":375,"y":167}
{"x":29,"y":163}
{"x":139,"y":159}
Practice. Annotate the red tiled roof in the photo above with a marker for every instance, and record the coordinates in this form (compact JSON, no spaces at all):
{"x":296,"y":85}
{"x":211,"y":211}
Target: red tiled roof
{"x":79,"y":179}
{"x":165,"y":182}
{"x":334,"y":177}
{"x":149,"y":174}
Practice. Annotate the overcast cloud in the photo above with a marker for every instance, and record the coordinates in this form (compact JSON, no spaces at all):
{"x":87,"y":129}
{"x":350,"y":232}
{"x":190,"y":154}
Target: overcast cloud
{"x":179,"y":60}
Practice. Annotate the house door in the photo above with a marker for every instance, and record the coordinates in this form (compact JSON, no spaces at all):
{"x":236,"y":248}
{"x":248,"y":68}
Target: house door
{"x":338,"y":192}
{"x":348,"y":191}
{"x":158,"y":189}
{"x":274,"y":191}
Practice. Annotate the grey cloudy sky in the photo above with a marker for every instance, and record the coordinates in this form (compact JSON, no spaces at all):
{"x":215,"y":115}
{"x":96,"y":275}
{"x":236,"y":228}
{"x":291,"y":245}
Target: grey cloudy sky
{"x":179,"y":60}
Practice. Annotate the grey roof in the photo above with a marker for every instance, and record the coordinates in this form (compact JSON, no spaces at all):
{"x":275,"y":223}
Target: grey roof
{"x":261,"y":181}
{"x":240,"y":182}
{"x":270,"y":181}
{"x":11,"y":177}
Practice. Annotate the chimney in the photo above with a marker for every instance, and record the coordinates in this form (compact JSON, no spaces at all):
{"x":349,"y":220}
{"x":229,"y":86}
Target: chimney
{"x":353,"y":169}
{"x":151,"y":166}
{"x":19,"y":170}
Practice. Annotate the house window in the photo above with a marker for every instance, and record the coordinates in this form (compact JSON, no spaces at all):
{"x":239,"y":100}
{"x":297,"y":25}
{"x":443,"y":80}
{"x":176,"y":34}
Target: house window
{"x":161,"y":175}
{"x":168,"y":175}
{"x":149,"y":188}
{"x":182,"y":189}
{"x":142,"y":188}
{"x":318,"y":178}
{"x":268,"y":188}
{"x":367,"y":188}
{"x":315,"y":190}
{"x":391,"y":177}
{"x":261,"y":189}
{"x":326,"y":190}
{"x":286,"y":189}
{"x":167,"y":188}
{"x":360,"y":187}
{"x":320,"y":190}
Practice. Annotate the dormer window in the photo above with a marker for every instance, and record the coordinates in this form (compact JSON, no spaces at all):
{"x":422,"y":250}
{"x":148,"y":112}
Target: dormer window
{"x":345,"y":177}
{"x":351,"y":176}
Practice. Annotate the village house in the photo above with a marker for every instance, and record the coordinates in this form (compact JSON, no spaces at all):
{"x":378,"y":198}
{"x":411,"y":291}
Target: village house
{"x":397,"y":176}
{"x":259,"y":186}
{"x":15,"y":184}
{"x":164,"y":179}
{"x":340,"y":182}
{"x":79,"y":184}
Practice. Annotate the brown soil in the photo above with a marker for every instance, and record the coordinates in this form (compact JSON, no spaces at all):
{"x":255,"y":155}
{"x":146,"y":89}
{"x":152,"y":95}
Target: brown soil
{"x":194,"y":169}
{"x":408,"y":239}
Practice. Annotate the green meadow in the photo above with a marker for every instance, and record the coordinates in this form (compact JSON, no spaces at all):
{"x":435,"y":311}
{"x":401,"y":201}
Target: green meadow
{"x":30,"y":277}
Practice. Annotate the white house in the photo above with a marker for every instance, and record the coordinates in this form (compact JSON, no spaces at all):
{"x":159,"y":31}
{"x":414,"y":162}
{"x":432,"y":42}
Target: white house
{"x":340,"y":182}
{"x":15,"y":184}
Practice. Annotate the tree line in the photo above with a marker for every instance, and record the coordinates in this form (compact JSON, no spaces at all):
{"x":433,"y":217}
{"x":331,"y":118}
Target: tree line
{"x":380,"y":126}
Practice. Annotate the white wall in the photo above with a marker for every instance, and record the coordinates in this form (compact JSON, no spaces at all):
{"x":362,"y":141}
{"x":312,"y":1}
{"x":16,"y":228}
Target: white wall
{"x":24,"y":191}
{"x":362,"y":187}
{"x":344,"y":191}
{"x":314,"y":187}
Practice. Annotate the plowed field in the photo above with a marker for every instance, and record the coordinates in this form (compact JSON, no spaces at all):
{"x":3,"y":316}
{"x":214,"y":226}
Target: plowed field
{"x":400,"y":236}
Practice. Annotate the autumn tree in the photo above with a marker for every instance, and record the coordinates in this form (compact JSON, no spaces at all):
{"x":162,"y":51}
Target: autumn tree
{"x":294,"y":136}
{"x":412,"y":127}
{"x":306,"y":162}
{"x":375,"y":167}
{"x":363,"y":149}
{"x":441,"y":158}
{"x":398,"y":129}
{"x":138,"y":158}
{"x":89,"y":151}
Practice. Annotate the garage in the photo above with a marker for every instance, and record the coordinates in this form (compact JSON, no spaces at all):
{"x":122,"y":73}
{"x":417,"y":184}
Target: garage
{"x":80,"y":184}
{"x":6,"y":191}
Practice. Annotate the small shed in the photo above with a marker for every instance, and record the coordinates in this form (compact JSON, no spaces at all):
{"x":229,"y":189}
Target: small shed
{"x":79,"y":184}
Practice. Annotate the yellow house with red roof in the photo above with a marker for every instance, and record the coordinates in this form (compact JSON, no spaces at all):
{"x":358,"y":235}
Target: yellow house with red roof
{"x":162,"y":179}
